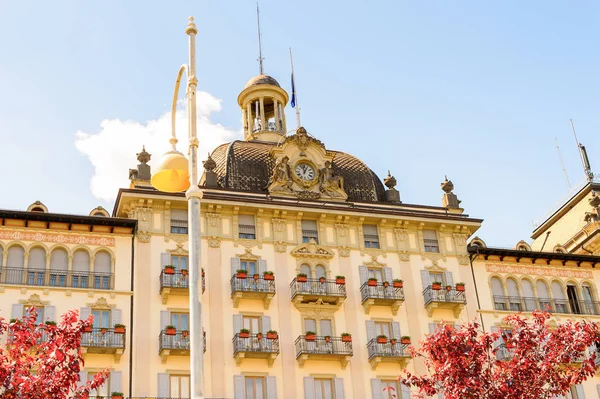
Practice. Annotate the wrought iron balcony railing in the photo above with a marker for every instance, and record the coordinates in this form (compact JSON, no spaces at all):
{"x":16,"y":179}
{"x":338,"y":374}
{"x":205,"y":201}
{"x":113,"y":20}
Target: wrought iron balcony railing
{"x":314,"y":287}
{"x":444,"y":295}
{"x":379,"y":291}
{"x":56,"y":278}
{"x":529,"y":304}
{"x":178,"y":342}
{"x":251,"y":284}
{"x":323,"y":346}
{"x":104,"y":338}
{"x":388,"y":349}
{"x":253,"y":344}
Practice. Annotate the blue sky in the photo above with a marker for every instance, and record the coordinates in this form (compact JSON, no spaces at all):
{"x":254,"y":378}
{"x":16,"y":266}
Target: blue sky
{"x":476,"y":90}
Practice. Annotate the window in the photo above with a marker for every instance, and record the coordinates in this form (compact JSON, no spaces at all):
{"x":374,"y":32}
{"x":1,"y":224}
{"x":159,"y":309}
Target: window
{"x":36,"y":266}
{"x":249,"y":266}
{"x":40,"y":313}
{"x":81,"y":269}
{"x":180,"y":321}
{"x":498,"y":292}
{"x":383,"y":328}
{"x":256,"y":388}
{"x":543,"y":297}
{"x":376,"y":273}
{"x":390,"y":390}
{"x":513,"y":294}
{"x":559,"y":297}
{"x":179,"y":221}
{"x":15,"y":263}
{"x":323,"y":328}
{"x":104,"y":389}
{"x":320,"y":271}
{"x":430,"y":240}
{"x":101,"y":318}
{"x":575,"y":392}
{"x":370,"y":236}
{"x":573,"y":300}
{"x":324,"y":388}
{"x":59,"y":261}
{"x":309,"y":230}
{"x":437,"y":276}
{"x":252,"y":323}
{"x":102,"y":268}
{"x":180,"y":262}
{"x":247,"y":230}
{"x":179,"y":386}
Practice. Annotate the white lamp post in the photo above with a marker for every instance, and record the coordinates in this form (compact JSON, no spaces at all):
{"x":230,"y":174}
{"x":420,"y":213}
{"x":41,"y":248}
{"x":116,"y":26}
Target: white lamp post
{"x":176,"y":174}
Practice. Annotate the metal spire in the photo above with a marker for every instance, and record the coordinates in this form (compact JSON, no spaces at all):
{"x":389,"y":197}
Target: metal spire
{"x":260,"y":57}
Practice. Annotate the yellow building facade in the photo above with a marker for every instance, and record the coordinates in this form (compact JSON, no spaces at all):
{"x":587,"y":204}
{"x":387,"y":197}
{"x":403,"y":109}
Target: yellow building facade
{"x":314,"y":272}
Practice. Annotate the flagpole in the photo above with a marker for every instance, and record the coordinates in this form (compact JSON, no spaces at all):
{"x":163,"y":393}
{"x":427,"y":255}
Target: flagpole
{"x":294,"y":91}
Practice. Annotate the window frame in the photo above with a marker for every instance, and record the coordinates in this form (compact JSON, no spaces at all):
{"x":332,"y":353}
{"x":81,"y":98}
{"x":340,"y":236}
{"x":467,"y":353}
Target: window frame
{"x":247,"y":235}
{"x":429,"y":244}
{"x":373,"y":240}
{"x":254,"y":379}
{"x":306,"y":237}
{"x":321,"y":382}
{"x":179,"y":377}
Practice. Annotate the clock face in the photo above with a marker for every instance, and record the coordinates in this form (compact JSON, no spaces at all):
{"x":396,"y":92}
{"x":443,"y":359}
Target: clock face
{"x":305,"y":171}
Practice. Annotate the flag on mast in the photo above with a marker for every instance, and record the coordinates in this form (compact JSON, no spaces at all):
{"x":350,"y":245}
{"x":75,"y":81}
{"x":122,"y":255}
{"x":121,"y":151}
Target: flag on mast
{"x":294,"y":101}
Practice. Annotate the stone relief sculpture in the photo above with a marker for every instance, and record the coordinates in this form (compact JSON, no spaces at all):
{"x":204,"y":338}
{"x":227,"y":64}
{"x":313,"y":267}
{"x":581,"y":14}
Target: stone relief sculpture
{"x":330,"y":184}
{"x":281,"y":179}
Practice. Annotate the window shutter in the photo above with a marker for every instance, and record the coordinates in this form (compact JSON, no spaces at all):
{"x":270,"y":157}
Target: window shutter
{"x":179,"y":214}
{"x":363,"y":273}
{"x":396,"y":330}
{"x":271,"y":388}
{"x":425,"y":279}
{"x":116,"y":316}
{"x":17,"y":311}
{"x":339,"y":388}
{"x":388,"y":274}
{"x":448,"y":278}
{"x":239,"y":389}
{"x":82,"y":378}
{"x":237,"y":323}
{"x":309,"y":388}
{"x":115,"y":381}
{"x":580,"y":392}
{"x":50,"y":312}
{"x":165,"y":319}
{"x":598,"y":389}
{"x":405,"y":392}
{"x":163,"y":385}
{"x":429,"y":235}
{"x":432,"y":327}
{"x":262,"y":266}
{"x":235,"y":265}
{"x":370,"y":329}
{"x":84,"y":313}
{"x":376,"y":390}
{"x":266,"y":324}
{"x":370,"y":229}
{"x":246,"y":220}
{"x":165,"y":259}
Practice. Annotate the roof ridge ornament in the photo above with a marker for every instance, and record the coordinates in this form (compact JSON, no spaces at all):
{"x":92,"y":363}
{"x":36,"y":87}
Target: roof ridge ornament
{"x":450,"y":201}
{"x":391,"y":194}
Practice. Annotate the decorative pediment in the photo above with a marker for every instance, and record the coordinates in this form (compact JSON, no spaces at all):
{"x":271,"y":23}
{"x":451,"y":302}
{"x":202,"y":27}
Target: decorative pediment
{"x":101,"y":303}
{"x":312,"y":250}
{"x":179,"y":250}
{"x":434,"y":267}
{"x":374,"y":263}
{"x":248,"y":255}
{"x":34,"y":300}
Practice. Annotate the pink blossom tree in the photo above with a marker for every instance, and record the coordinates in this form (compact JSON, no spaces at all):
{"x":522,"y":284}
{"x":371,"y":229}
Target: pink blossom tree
{"x":43,"y":361}
{"x":529,"y":360}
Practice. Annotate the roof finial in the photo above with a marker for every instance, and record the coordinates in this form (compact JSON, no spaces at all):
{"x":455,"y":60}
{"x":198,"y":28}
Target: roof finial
{"x":260,"y":57}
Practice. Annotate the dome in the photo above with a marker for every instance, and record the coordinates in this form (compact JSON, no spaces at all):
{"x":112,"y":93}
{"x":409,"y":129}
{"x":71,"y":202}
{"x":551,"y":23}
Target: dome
{"x":247,"y":166}
{"x":262,"y":80}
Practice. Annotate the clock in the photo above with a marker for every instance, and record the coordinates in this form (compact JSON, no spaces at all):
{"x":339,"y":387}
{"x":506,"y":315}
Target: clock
{"x":304,"y":171}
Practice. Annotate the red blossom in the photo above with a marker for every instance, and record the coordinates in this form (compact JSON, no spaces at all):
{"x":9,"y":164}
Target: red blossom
{"x":537,"y":361}
{"x":43,"y":361}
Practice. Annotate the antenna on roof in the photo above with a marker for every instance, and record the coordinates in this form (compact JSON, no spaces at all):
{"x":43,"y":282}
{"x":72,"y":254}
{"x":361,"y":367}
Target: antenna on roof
{"x":260,"y":57}
{"x":562,"y":163}
{"x":584,"y":157}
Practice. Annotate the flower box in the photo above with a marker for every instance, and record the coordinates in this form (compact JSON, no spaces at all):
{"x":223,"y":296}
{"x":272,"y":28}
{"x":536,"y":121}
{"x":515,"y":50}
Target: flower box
{"x":88,"y":329}
{"x":169,"y":269}
{"x":436,"y":286}
{"x":301,"y":278}
{"x":271,"y":334}
{"x":340,"y":280}
{"x":256,"y":277}
{"x":382,"y":339}
{"x":460,"y":287}
{"x":372,"y":282}
{"x":393,"y":341}
{"x":398,"y":284}
{"x":242,"y":274}
{"x":346,"y":338}
{"x":268,"y":276}
{"x":322,"y":280}
{"x":184,"y":272}
{"x":244,"y":333}
{"x":170,"y":330}
{"x":259,"y":336}
{"x":405,"y":340}
{"x":310,"y":336}
{"x":327,"y":338}
{"x":185,"y":333}
{"x":116,"y":395}
{"x":386,"y":284}
{"x":119,"y":329}
{"x":103,"y":330}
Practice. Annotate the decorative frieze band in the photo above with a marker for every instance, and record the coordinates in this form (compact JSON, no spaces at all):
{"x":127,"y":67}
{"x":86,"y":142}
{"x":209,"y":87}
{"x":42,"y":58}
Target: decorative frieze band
{"x":57,"y":238}
{"x":539,"y":271}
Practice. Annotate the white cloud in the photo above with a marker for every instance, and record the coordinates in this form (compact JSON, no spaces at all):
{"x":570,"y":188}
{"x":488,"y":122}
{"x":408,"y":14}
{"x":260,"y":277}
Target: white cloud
{"x":112,"y":149}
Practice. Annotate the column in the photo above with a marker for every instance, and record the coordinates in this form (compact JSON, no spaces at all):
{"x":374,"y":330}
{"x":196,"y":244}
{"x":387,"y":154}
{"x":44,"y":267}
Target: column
{"x":283,"y":124}
{"x":245,"y":121}
{"x":263,"y":120}
{"x":276,"y":109}
{"x":249,"y":118}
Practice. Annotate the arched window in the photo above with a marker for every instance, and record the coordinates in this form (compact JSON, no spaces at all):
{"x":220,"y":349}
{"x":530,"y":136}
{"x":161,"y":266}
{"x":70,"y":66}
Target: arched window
{"x":36,"y":266}
{"x":59,"y":263}
{"x":543,"y":297}
{"x":81,"y":269}
{"x":514,"y":298}
{"x":305,"y":269}
{"x":320,"y":271}
{"x":15,"y":264}
{"x":528,"y":296}
{"x":588,"y":299}
{"x":560,"y":304}
{"x":102,"y":266}
{"x":498,"y":293}
{"x":36,"y":258}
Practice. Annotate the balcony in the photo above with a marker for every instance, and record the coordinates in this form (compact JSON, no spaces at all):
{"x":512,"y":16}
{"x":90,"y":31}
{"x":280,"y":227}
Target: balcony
{"x":314,"y":291}
{"x":176,"y":283}
{"x":527,"y":304}
{"x":173,"y":345}
{"x":444,"y":299}
{"x":322,"y":349}
{"x":387,"y":353}
{"x":56,"y":278}
{"x":379,"y":295}
{"x":254,"y":348}
{"x":103,"y":341}
{"x":252,"y":288}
